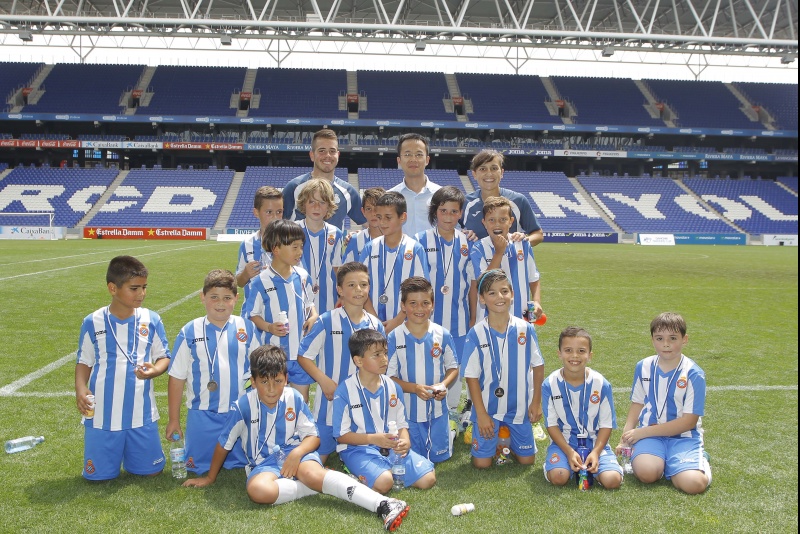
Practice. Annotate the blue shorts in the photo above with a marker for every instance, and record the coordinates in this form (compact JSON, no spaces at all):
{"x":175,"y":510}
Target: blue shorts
{"x":202,"y":430}
{"x":327,"y":443}
{"x":556,"y":459}
{"x":270,"y":465}
{"x":522,"y":442}
{"x":431,"y":439}
{"x":138,"y":450}
{"x":298,"y":375}
{"x":367,"y":463}
{"x":679,"y":454}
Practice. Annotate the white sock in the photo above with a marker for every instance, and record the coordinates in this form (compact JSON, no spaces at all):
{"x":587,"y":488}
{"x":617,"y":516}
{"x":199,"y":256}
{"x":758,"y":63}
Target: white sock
{"x":290,"y":490}
{"x":454,"y":394}
{"x":705,"y":467}
{"x":343,"y":487}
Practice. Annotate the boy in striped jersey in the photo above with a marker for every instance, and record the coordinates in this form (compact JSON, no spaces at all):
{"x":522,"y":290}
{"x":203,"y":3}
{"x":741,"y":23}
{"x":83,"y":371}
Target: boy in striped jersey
{"x":273,"y":420}
{"x":668,"y":399}
{"x":504,"y":369}
{"x":325,"y":354}
{"x":212,"y":355}
{"x":267,"y":207}
{"x":358,"y":240}
{"x":578,"y":402}
{"x":121,"y":348}
{"x":422,"y":361}
{"x":392,"y":258}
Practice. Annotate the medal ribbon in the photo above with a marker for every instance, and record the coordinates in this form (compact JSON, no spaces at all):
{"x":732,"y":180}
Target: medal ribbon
{"x":212,"y":359}
{"x":131,"y":357}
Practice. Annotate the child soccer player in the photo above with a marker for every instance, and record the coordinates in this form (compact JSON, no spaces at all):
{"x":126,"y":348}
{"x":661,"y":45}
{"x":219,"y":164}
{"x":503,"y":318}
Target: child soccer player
{"x":498,"y":251}
{"x":664,"y":424}
{"x":450,"y":272}
{"x":577,"y":402}
{"x":392,"y":258}
{"x":121,"y":348}
{"x":283,"y":287}
{"x":362,"y":407}
{"x":423,"y":362}
{"x":324,"y":353}
{"x":212,"y":355}
{"x":357,"y":241}
{"x":267,"y":207}
{"x":322,"y":251}
{"x":504,"y":370}
{"x":272,"y":415}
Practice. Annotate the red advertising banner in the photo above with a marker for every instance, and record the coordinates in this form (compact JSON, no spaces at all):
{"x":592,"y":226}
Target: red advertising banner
{"x":352,"y":98}
{"x":245,"y":95}
{"x":127,"y":232}
{"x":202,"y":146}
{"x":560,"y":103}
{"x":137,"y":93}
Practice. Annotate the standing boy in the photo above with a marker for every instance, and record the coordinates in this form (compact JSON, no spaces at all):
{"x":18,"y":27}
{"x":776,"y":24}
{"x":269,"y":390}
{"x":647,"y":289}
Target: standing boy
{"x":362,"y":407}
{"x":392,"y":258}
{"x":212,"y":355}
{"x":283,"y":287}
{"x":357,"y":241}
{"x":325,"y":156}
{"x":497,"y":251}
{"x":423,"y":363}
{"x":325,"y":354}
{"x":121,"y":348}
{"x":668,"y":399}
{"x":272,"y":416}
{"x":578,"y":403}
{"x":267,"y":207}
{"x":412,"y":157}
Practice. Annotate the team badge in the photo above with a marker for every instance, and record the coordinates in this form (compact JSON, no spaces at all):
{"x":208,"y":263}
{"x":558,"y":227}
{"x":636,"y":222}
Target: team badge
{"x":89,"y":468}
{"x":595,"y":398}
{"x":475,"y":444}
{"x":520,"y":255}
{"x":464,"y":250}
{"x":143,"y":330}
{"x":681,"y":383}
{"x":521,"y":339}
{"x":408,"y":255}
{"x":241,"y":335}
{"x":336,"y":198}
{"x":331,"y":239}
{"x":554,"y":459}
{"x":393,"y":401}
{"x":290,"y":415}
{"x":436,"y":351}
{"x":190,"y":463}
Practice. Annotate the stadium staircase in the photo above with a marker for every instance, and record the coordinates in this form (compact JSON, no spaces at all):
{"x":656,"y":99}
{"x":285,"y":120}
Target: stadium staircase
{"x":455,"y":92}
{"x":598,"y":205}
{"x":7,"y":171}
{"x":141,"y":85}
{"x":781,"y":185}
{"x":102,"y":200}
{"x":552,"y":92}
{"x":754,"y":113}
{"x":352,"y":89}
{"x":36,"y":86}
{"x":709,"y":207}
{"x":465,"y":181}
{"x":247,"y":87}
{"x":652,"y":105}
{"x":230,"y":201}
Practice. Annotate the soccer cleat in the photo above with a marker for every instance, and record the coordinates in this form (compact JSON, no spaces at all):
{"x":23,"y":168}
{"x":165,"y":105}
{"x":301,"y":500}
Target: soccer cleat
{"x":392,"y":511}
{"x":538,"y":432}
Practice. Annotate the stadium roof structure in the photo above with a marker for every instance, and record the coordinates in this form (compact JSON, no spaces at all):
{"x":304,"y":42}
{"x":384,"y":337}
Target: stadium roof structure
{"x":506,"y":29}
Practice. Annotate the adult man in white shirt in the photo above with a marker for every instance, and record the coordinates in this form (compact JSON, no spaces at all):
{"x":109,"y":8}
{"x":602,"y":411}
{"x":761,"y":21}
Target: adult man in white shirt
{"x":413,"y":157}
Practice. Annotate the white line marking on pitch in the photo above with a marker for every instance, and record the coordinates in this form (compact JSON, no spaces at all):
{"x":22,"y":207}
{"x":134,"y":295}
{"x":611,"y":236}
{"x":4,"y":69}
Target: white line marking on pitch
{"x":58,"y":258}
{"x":13,"y":387}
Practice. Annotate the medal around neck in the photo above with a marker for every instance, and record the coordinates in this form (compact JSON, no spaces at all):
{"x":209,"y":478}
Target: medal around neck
{"x":383,"y":299}
{"x":212,"y":385}
{"x":499,"y":392}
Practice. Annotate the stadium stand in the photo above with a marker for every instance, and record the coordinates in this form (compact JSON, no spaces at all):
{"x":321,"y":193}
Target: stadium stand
{"x":652,"y":206}
{"x":702,"y":104}
{"x":15,"y":75}
{"x":299,"y":93}
{"x":789,"y":181}
{"x":388,"y":178}
{"x":491,"y":94}
{"x":70,"y":193}
{"x":85,"y":88}
{"x":779,"y":99}
{"x":621,"y":101}
{"x":3,"y":166}
{"x":403,"y":95}
{"x":194,"y":90}
{"x":757,"y":206}
{"x":254,"y":177}
{"x":166,"y":198}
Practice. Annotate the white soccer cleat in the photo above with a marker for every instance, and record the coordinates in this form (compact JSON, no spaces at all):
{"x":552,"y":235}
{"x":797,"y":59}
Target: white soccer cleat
{"x":392,"y":511}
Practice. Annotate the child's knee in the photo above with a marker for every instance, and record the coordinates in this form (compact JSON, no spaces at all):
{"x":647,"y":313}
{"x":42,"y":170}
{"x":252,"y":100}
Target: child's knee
{"x":383,"y":483}
{"x":558,"y":477}
{"x":610,"y":479}
{"x":481,"y":463}
{"x":648,"y":468}
{"x":263,"y":493}
{"x":526,"y":460}
{"x":691,"y":482}
{"x":427,"y":481}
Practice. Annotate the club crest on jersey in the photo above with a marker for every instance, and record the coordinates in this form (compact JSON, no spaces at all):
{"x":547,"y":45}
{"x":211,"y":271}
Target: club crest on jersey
{"x":408,"y":256}
{"x":464,"y":250}
{"x":143,"y":330}
{"x":520,"y":255}
{"x":331,"y":239}
{"x":89,"y":467}
{"x":241,"y":335}
{"x":474,"y":444}
{"x":190,"y":463}
{"x":436,"y":351}
{"x":521,"y":339}
{"x":393,"y":401}
{"x":554,"y":459}
{"x":290,"y":415}
{"x":681,"y":383}
{"x":595,"y":398}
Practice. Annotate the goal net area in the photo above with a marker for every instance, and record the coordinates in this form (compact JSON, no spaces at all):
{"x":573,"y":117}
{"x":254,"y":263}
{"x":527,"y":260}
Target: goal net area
{"x":29,"y":225}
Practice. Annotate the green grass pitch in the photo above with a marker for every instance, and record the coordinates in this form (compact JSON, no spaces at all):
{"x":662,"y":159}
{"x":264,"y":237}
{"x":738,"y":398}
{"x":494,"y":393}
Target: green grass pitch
{"x":740,"y":304}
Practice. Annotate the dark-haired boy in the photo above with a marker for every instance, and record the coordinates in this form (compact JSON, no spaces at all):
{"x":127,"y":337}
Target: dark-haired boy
{"x":121,"y":347}
{"x":267,"y":207}
{"x":358,"y":240}
{"x":363,"y":406}
{"x":272,"y":416}
{"x":212,"y":355}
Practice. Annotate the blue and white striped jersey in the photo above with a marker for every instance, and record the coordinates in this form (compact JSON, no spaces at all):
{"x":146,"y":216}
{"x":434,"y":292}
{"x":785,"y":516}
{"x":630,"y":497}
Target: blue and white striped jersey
{"x":322,"y":251}
{"x":517,"y":263}
{"x":251,"y":250}
{"x":577,"y":409}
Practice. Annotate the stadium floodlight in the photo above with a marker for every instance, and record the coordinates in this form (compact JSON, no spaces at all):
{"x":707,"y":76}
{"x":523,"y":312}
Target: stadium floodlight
{"x":26,"y":36}
{"x":786,"y":60}
{"x":607,"y":51}
{"x":226,"y":40}
{"x":419,"y":46}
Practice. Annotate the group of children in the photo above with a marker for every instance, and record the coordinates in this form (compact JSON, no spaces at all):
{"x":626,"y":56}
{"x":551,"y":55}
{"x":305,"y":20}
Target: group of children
{"x":386,"y":325}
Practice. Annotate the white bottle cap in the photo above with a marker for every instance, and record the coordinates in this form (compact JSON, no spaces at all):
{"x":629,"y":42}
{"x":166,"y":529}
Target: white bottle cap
{"x":392,"y":427}
{"x":461,"y":509}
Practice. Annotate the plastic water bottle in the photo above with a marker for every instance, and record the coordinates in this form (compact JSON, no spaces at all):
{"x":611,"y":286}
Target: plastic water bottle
{"x":625,"y":460}
{"x":280,"y":456}
{"x":503,"y":455}
{"x":398,"y":462}
{"x":177,"y":456}
{"x":283,"y":319}
{"x":461,"y":509}
{"x":585,"y":478}
{"x":23,"y":444}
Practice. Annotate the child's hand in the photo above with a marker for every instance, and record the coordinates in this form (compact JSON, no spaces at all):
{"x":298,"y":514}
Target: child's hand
{"x":423,"y":391}
{"x":500,"y":242}
{"x":348,"y":236}
{"x":172,"y":428}
{"x":277,"y":329}
{"x":291,"y":464}
{"x":82,"y":402}
{"x":384,"y":441}
{"x":593,"y":462}
{"x":146,"y":371}
{"x":534,"y":412}
{"x":252,"y":268}
{"x":328,"y":388}
{"x":575,"y":462}
{"x":201,"y":482}
{"x":485,"y":426}
{"x":439,"y":391}
{"x":516,"y":237}
{"x":309,"y":323}
{"x":632,"y":436}
{"x":401,"y":446}
{"x":471,"y":236}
